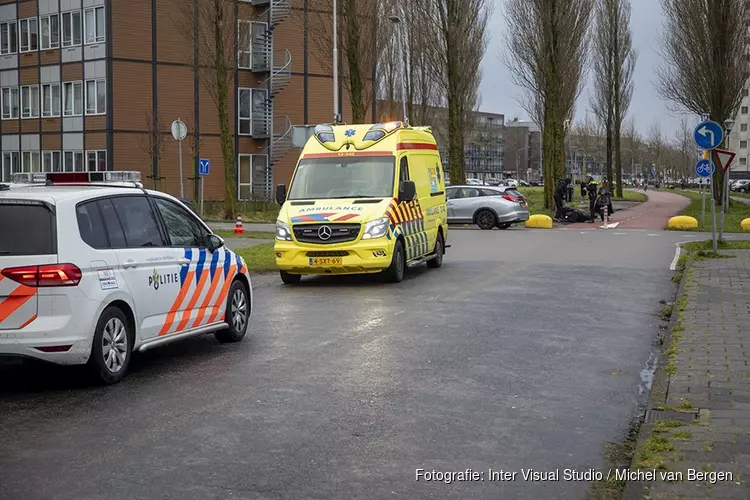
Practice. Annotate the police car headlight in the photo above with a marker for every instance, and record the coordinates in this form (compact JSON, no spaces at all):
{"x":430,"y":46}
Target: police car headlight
{"x":282,"y":231}
{"x":376,"y":228}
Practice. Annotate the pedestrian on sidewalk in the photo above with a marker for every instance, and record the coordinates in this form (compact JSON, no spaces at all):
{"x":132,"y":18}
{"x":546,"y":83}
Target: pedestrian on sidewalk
{"x":592,"y":189}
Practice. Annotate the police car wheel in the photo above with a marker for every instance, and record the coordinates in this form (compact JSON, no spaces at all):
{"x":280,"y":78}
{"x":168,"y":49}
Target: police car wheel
{"x":395,"y":272}
{"x":486,"y":219}
{"x":112,"y":346}
{"x":237,"y":314}
{"x":437,"y":261}
{"x":289,"y":279}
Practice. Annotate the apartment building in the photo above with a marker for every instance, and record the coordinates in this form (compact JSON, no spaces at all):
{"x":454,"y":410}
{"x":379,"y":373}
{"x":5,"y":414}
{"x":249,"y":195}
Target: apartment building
{"x":96,"y":84}
{"x":740,"y":137}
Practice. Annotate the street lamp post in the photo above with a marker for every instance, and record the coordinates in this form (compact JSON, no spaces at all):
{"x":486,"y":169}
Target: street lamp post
{"x":725,"y":203}
{"x":336,"y":118}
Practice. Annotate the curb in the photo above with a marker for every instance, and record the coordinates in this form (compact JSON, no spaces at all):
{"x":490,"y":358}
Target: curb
{"x":637,"y":490}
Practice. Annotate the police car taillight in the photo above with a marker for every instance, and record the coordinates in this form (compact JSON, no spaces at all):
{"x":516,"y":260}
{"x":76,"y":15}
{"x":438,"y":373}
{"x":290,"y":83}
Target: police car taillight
{"x":76,"y":177}
{"x":45,"y":276}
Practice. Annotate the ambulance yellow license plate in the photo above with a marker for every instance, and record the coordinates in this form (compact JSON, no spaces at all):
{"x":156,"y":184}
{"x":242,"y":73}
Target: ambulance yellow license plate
{"x":325,"y":261}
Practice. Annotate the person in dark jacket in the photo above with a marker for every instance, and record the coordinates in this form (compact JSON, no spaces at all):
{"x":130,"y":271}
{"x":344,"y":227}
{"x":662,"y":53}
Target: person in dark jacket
{"x":592,"y":189}
{"x":584,"y":191}
{"x":561,"y":192}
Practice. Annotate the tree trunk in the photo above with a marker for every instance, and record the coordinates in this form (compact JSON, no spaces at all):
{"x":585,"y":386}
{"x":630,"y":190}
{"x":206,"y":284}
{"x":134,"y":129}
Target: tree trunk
{"x":455,"y":143}
{"x":609,"y":144}
{"x":222,"y":91}
{"x":356,"y":83}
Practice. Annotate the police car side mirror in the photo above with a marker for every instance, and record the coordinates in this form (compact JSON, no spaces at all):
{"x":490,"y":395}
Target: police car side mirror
{"x":214,"y":242}
{"x":407,"y":192}
{"x":280,"y":194}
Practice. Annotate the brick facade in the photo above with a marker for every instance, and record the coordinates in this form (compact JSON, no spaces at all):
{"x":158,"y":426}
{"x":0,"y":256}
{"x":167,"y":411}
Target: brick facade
{"x":117,"y":68}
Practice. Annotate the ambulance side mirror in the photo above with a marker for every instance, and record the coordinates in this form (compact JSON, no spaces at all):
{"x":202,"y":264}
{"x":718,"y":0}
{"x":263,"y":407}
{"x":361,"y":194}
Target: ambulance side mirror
{"x":407,"y":192}
{"x":281,"y":194}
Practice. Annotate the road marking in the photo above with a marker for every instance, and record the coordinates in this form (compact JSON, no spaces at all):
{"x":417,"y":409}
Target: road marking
{"x":651,"y":234}
{"x":619,"y":234}
{"x":677,"y":252}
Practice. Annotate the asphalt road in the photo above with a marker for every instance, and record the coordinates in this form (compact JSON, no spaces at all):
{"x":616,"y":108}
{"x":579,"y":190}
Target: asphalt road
{"x":501,"y":360}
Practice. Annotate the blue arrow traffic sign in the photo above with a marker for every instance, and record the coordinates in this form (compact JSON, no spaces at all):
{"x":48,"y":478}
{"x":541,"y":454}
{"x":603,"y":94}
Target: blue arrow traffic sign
{"x":705,"y":168}
{"x":204,"y":166}
{"x":708,"y":135}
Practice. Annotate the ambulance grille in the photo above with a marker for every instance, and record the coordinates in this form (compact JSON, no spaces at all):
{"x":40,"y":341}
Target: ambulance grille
{"x":334,"y":253}
{"x":339,"y":233}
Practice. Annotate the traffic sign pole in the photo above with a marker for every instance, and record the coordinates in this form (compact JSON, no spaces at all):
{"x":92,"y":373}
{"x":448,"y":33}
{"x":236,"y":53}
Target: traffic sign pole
{"x":204,"y":168}
{"x":703,"y":205}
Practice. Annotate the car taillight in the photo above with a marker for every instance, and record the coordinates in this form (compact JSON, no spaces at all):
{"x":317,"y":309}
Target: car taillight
{"x":516,"y":199}
{"x":45,"y":276}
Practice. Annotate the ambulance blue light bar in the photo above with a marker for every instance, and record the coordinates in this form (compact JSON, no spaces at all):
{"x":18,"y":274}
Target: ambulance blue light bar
{"x":324,"y":133}
{"x":76,"y":177}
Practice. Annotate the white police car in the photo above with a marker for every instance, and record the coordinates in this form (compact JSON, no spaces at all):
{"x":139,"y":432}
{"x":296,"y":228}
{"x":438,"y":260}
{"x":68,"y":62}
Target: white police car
{"x":93,"y":267}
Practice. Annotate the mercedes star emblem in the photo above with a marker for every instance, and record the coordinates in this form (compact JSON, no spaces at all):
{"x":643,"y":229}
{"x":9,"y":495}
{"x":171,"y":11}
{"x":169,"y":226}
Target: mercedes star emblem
{"x":324,"y":232}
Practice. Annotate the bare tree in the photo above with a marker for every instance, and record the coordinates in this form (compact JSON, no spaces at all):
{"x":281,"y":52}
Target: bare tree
{"x":420,"y":41}
{"x":632,"y":142}
{"x":546,"y":48}
{"x":363,"y":29}
{"x":656,"y":149}
{"x":461,"y":30}
{"x":705,"y":68}
{"x":209,"y":28}
{"x":684,"y":139}
{"x":624,"y":65}
{"x":152,"y":143}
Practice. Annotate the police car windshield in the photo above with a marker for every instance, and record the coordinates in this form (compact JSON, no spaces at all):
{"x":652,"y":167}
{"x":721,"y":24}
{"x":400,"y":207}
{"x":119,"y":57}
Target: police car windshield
{"x":347,"y":177}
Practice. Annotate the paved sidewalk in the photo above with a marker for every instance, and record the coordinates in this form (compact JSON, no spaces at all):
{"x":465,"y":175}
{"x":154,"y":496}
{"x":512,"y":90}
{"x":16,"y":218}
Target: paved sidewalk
{"x":651,"y":214}
{"x":711,"y":376}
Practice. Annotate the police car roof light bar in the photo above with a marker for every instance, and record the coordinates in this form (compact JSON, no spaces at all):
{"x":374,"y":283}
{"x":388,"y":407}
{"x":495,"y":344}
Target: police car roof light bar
{"x":77,"y":177}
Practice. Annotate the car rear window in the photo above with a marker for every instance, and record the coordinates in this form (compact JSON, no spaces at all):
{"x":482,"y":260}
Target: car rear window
{"x":27,"y":229}
{"x":514,"y":192}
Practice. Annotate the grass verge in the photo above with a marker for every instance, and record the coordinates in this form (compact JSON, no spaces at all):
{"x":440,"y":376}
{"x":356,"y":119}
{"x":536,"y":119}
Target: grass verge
{"x":259,"y":258}
{"x":737,"y":212}
{"x":251,"y":211}
{"x":704,"y":249}
{"x":535,"y":199}
{"x":255,"y":235}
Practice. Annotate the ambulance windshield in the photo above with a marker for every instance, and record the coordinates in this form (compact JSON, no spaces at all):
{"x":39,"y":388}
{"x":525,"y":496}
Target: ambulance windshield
{"x":347,"y":177}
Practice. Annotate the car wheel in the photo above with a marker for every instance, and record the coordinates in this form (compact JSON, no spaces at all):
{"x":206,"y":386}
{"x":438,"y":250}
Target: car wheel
{"x":395,"y":272}
{"x":486,"y":219}
{"x":110,"y":352}
{"x":439,"y":251}
{"x":237,"y":315}
{"x":290,"y":279}
{"x":504,"y":225}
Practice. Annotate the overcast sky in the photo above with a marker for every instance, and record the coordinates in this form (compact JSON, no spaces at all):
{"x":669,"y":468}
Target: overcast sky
{"x":499,"y":95}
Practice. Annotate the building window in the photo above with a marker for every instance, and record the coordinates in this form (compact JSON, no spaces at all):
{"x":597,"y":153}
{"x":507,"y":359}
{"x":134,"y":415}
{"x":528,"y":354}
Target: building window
{"x":50,"y":28}
{"x":11,"y":103}
{"x":254,"y":48}
{"x":30,"y":161}
{"x":11,"y":165}
{"x":51,"y":99}
{"x":29,"y":35}
{"x":746,"y":92}
{"x":30,"y":101}
{"x":71,"y":28}
{"x":254,"y":177}
{"x":51,"y":161}
{"x":253,"y":112}
{"x":94,"y":24}
{"x":743,"y":144}
{"x":8,"y":38}
{"x":96,"y":97}
{"x":73,"y":161}
{"x":743,"y":127}
{"x":72,"y":98}
{"x":245,"y":44}
{"x":743,"y":161}
{"x":96,"y":160}
{"x":743,"y":110}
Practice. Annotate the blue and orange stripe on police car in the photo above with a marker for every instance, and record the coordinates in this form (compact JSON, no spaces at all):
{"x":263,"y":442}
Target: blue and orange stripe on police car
{"x":215,"y":275}
{"x":201,"y":277}
{"x":186,"y":279}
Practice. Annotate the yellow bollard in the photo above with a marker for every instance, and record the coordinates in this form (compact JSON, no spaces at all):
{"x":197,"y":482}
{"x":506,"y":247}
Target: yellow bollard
{"x":682,"y":222}
{"x":745,"y":224}
{"x":539,"y":221}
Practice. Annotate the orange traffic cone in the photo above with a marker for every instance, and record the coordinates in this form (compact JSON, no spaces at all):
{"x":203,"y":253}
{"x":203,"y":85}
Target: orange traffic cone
{"x":238,"y":225}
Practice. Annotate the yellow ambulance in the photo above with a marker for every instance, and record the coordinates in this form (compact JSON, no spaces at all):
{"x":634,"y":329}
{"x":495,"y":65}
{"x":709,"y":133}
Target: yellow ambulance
{"x":363,"y":199}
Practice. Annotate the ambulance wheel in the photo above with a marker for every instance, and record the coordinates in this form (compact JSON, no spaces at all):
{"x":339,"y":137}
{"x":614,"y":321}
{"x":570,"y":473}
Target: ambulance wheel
{"x":486,"y":219}
{"x":237,"y":314}
{"x":290,"y":279}
{"x":112,"y":346}
{"x":395,"y":272}
{"x":437,"y":261}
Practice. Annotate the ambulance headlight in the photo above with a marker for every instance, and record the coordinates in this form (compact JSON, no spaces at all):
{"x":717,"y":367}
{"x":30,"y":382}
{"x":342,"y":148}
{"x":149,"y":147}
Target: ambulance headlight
{"x":376,"y":228}
{"x":282,"y":231}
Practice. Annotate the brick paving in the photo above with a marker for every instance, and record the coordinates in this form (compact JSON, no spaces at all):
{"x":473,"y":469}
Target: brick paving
{"x":712,"y":374}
